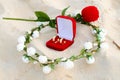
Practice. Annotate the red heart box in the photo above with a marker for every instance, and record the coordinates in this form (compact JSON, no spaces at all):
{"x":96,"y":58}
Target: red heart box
{"x":66,"y":29}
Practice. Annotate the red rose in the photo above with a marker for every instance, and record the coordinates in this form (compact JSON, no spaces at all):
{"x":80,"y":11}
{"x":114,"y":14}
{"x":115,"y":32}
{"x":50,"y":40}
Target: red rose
{"x":90,"y":13}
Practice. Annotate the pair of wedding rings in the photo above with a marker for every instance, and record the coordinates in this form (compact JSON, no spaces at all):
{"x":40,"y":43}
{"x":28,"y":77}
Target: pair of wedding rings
{"x":60,"y":40}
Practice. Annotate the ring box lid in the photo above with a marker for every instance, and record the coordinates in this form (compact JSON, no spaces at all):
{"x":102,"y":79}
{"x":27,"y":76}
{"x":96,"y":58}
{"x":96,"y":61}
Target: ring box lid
{"x":66,"y":27}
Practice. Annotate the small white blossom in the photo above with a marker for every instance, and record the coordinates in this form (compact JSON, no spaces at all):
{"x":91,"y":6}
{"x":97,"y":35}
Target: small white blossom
{"x":104,"y":31}
{"x":35,"y":34}
{"x":42,"y":59}
{"x":68,"y":64}
{"x":63,"y":59}
{"x":88,"y":45}
{"x":31,"y":51}
{"x":20,"y":47}
{"x":25,"y":59}
{"x":104,"y":46}
{"x":21,"y":39}
{"x":94,"y":31}
{"x":90,"y":60}
{"x":102,"y":39}
{"x":47,"y":69}
{"x":102,"y":34}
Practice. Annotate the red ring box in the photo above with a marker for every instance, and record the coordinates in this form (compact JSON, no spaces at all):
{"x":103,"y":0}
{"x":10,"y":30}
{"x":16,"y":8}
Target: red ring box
{"x":66,"y":30}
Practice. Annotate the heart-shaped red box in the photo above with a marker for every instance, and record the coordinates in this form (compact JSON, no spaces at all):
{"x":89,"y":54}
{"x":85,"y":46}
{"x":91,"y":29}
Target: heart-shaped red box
{"x":66,"y":31}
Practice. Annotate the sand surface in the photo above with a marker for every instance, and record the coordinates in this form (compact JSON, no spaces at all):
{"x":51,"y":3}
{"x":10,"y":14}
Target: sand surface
{"x":107,"y":65}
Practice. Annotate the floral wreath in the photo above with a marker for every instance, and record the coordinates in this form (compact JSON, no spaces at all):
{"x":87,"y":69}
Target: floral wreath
{"x":88,"y":14}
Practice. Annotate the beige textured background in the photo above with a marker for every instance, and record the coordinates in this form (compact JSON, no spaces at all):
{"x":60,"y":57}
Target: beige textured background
{"x":107,"y":65}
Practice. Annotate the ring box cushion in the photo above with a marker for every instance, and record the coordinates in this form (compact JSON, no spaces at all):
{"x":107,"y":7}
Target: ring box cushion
{"x":66,"y":29}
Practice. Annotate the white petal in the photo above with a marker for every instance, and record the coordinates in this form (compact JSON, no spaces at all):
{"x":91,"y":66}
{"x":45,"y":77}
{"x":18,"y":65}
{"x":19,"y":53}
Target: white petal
{"x":47,"y":69}
{"x":20,"y":47}
{"x":102,"y":39}
{"x":94,"y":32}
{"x":102,"y":34}
{"x":88,"y":45}
{"x":104,"y":31}
{"x":68,"y":64}
{"x":31,"y":51}
{"x":21,"y":39}
{"x":63,"y":59}
{"x":35,"y":34}
{"x":42,"y":59}
{"x":90,"y":60}
{"x":25,"y":59}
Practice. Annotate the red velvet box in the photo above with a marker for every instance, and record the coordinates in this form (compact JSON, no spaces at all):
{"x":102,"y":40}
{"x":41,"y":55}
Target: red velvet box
{"x":66,"y":31}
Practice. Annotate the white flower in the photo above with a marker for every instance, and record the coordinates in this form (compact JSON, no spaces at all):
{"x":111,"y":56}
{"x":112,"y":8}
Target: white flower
{"x":63,"y":59}
{"x":35,"y":34}
{"x":102,"y":34}
{"x":104,"y":31}
{"x":21,"y":39}
{"x":20,"y":47}
{"x":47,"y":69}
{"x":88,"y":45}
{"x":31,"y":51}
{"x":94,"y":31}
{"x":42,"y":59}
{"x":102,"y":39}
{"x":104,"y":46}
{"x":90,"y":60}
{"x":68,"y":64}
{"x":25,"y":59}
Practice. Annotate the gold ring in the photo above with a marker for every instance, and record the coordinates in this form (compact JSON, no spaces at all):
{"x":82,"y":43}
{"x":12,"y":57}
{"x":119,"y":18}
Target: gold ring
{"x":53,"y":39}
{"x":61,"y":40}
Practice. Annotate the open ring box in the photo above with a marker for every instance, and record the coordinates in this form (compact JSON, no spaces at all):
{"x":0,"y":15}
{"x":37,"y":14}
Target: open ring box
{"x":66,"y":31}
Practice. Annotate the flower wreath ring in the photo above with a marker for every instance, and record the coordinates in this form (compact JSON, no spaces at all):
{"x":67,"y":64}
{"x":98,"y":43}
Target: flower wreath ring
{"x":89,"y":14}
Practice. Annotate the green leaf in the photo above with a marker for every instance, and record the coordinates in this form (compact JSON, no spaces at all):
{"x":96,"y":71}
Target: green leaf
{"x":64,"y":10}
{"x":88,"y":54}
{"x":82,"y":51}
{"x":41,"y":16}
{"x":52,"y":66}
{"x":52,"y":23}
{"x":58,"y":59}
{"x":78,"y":17}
